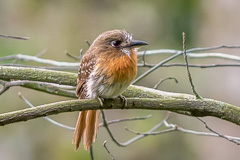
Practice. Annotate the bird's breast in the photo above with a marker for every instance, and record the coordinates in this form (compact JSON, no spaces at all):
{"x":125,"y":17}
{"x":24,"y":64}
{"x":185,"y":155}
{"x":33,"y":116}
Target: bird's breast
{"x":119,"y":69}
{"x":112,"y":76}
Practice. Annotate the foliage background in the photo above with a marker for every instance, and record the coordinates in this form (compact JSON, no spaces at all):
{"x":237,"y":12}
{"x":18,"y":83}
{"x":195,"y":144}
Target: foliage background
{"x":65,"y":25}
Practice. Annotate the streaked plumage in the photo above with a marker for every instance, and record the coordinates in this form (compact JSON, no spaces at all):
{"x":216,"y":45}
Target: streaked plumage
{"x":106,"y":70}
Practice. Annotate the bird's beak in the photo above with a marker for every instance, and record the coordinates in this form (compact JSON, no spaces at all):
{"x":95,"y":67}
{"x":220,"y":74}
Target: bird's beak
{"x":137,"y":43}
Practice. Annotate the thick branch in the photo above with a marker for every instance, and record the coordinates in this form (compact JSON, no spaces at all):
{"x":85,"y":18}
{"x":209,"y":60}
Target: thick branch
{"x":34,"y":74}
{"x":188,"y":106}
{"x":147,"y":99}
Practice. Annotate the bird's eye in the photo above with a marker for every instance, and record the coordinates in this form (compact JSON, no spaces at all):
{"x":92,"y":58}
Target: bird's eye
{"x":115,"y":43}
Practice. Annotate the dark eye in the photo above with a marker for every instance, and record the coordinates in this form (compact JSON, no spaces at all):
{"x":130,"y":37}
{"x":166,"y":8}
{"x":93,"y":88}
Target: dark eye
{"x":115,"y":43}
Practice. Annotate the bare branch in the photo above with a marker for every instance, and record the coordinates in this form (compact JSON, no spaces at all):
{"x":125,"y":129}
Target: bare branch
{"x":39,"y":60}
{"x":188,"y":71}
{"x":219,"y":135}
{"x":51,"y":88}
{"x":139,"y":65}
{"x":125,"y":120}
{"x":46,"y":118}
{"x":173,"y":51}
{"x":43,"y":67}
{"x":162,"y":80}
{"x":72,"y":56}
{"x":138,"y":137}
{"x":198,"y":65}
{"x":108,"y":130}
{"x":156,"y":67}
{"x":91,"y":153}
{"x":41,"y":53}
{"x":14,"y":37}
{"x":144,"y":58}
{"x":142,"y":53}
{"x":4,"y":87}
{"x":152,"y":133}
{"x":88,"y":43}
{"x":105,"y":146}
{"x":173,"y":127}
{"x":133,"y":139}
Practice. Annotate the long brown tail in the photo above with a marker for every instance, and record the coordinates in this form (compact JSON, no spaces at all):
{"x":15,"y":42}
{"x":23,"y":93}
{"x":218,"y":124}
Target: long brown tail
{"x":86,"y":128}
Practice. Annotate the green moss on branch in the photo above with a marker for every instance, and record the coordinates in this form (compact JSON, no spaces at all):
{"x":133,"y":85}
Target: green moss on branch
{"x":35,"y":74}
{"x":147,"y":98}
{"x":193,"y":107}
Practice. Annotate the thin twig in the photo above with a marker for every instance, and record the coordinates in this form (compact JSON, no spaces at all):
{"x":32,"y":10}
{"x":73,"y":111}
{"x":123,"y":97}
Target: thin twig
{"x":41,"y":53}
{"x":108,"y":130}
{"x":81,"y":54}
{"x":138,"y":137}
{"x":126,"y":119}
{"x":156,"y":67}
{"x":213,"y":48}
{"x":184,"y":65}
{"x":4,"y":87}
{"x":220,"y":135}
{"x":88,"y":43}
{"x":200,"y":65}
{"x":46,"y":118}
{"x":72,"y":56}
{"x":188,"y":71}
{"x":173,"y":127}
{"x":174,"y":51}
{"x":151,"y":133}
{"x":214,"y":55}
{"x":91,"y":153}
{"x":105,"y":146}
{"x":49,"y":87}
{"x":144,"y":58}
{"x":14,"y":37}
{"x":39,"y":60}
{"x":66,"y":68}
{"x":162,"y":80}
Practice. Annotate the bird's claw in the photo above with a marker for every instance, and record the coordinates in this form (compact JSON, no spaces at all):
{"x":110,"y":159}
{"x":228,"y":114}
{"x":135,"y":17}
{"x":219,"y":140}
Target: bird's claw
{"x":101,"y":100}
{"x":124,"y":100}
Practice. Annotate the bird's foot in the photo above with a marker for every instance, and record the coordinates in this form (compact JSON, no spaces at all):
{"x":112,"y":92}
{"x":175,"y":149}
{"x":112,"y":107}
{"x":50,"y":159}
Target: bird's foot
{"x":101,"y":100}
{"x":124,"y":100}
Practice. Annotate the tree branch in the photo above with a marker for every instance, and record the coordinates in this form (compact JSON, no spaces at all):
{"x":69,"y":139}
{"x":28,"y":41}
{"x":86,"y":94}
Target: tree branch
{"x":72,"y":65}
{"x":187,"y":106}
{"x":35,"y":74}
{"x":146,"y":99}
{"x":14,"y":37}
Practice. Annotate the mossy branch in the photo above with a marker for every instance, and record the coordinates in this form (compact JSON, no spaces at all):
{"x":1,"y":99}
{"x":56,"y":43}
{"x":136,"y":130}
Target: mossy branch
{"x":35,"y":74}
{"x":147,"y":98}
{"x":192,"y":107}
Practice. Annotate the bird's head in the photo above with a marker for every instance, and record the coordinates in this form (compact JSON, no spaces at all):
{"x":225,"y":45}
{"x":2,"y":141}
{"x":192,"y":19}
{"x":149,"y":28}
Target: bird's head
{"x":116,"y":42}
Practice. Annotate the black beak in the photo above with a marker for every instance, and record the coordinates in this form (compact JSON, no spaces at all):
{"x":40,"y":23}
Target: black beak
{"x":137,"y":43}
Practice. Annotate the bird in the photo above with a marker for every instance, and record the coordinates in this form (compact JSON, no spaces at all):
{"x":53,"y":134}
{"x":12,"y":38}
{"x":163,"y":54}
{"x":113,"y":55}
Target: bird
{"x":106,"y":69}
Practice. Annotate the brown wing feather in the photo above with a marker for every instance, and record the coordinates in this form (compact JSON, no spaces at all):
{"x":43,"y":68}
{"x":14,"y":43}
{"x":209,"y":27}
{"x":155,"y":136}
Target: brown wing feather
{"x":83,"y":124}
{"x":86,"y":67}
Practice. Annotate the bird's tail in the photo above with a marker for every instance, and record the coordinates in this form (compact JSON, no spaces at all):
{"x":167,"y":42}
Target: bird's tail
{"x":86,"y":128}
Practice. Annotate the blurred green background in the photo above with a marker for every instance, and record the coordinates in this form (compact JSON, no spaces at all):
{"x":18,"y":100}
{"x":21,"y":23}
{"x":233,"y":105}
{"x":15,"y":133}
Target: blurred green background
{"x":65,"y":25}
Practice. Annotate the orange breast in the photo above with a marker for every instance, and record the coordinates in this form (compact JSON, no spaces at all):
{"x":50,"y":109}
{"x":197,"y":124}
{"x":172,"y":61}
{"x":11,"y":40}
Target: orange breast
{"x":119,"y":68}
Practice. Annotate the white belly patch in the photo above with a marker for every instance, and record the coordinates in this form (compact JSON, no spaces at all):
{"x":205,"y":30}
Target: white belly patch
{"x":96,"y":87}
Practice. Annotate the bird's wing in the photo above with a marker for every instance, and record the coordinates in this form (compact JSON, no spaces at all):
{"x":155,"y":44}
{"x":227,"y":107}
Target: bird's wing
{"x":86,"y":67}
